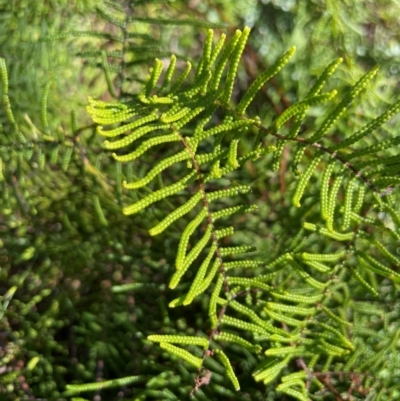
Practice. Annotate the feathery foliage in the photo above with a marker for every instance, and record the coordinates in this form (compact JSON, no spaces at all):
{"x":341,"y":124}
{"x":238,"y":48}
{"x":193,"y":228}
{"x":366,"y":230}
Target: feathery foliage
{"x":279,"y":284}
{"x":334,"y":242}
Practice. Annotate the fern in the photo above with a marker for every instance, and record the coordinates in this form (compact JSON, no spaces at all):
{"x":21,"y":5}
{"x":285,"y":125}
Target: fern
{"x":290,"y":280}
{"x":52,"y":177}
{"x":305,"y":322}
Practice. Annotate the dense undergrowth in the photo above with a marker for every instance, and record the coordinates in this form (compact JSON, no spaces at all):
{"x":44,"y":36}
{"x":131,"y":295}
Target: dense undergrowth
{"x":308,"y":156}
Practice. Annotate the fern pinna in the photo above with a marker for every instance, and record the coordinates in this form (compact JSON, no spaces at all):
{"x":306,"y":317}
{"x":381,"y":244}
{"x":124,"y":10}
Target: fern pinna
{"x":345,"y":202}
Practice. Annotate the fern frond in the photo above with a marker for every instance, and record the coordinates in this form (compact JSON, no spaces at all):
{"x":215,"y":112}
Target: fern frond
{"x":231,"y":374}
{"x":207,"y":137}
{"x":342,"y":106}
{"x":6,"y":102}
{"x":269,"y":374}
{"x":179,"y":340}
{"x":262,"y":79}
{"x":183,"y":354}
{"x":79,"y":388}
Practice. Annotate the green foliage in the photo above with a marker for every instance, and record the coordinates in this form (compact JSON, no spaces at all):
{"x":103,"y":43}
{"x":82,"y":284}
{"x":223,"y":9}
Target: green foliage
{"x":280,"y":284}
{"x":195,"y":107}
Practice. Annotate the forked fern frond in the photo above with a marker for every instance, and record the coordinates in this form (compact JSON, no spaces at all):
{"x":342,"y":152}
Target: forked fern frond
{"x":204,"y":133}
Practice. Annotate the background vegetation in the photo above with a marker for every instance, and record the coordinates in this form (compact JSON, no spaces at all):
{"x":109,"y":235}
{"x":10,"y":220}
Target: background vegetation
{"x":66,"y":317}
